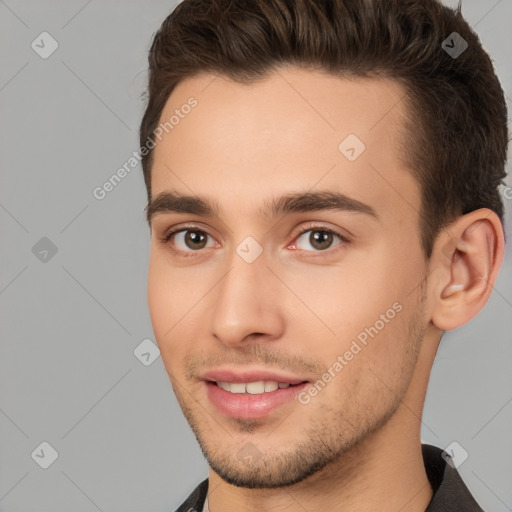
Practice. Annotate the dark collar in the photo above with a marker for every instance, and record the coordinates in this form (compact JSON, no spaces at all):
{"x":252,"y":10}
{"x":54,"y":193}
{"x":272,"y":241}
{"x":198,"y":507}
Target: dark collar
{"x":450,"y":491}
{"x":195,"y":502}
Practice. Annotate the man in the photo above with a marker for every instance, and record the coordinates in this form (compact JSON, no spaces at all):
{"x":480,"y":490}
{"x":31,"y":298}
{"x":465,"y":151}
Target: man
{"x":322,"y":182}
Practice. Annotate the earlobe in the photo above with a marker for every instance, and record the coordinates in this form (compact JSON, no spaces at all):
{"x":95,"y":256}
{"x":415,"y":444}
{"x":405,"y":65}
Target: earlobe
{"x":468,"y":255}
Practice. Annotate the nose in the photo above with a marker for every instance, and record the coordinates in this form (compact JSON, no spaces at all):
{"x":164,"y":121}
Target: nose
{"x":247,"y":304}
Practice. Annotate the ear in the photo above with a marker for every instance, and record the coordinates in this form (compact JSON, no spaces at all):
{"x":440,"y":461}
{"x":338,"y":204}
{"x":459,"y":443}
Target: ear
{"x":466,"y":259}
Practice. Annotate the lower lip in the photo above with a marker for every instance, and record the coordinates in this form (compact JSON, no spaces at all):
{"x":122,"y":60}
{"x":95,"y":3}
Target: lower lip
{"x":250,"y":407}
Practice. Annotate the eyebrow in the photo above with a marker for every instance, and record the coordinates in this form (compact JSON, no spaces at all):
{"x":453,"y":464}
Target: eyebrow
{"x":298,"y":202}
{"x":171,"y":202}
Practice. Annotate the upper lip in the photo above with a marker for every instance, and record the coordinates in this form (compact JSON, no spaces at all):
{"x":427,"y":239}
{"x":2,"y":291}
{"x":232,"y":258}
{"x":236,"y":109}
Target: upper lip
{"x":231,"y":375}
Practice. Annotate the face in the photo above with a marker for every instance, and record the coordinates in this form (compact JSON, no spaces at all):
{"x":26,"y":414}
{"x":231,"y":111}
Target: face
{"x":300,"y":268}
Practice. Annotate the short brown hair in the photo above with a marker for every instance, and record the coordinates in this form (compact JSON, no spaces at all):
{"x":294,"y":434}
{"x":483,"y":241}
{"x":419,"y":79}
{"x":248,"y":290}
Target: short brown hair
{"x":456,"y":127}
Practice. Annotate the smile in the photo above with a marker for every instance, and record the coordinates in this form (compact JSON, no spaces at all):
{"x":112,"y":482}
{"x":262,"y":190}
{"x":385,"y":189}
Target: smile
{"x":253,"y":388}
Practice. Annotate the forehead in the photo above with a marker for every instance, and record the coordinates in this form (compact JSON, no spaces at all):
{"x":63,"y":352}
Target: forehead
{"x":296,"y":129}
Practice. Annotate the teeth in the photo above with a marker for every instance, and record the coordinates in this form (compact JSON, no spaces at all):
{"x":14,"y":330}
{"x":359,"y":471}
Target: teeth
{"x":238,"y":387}
{"x":224,"y":385}
{"x":270,"y":385}
{"x":253,"y":388}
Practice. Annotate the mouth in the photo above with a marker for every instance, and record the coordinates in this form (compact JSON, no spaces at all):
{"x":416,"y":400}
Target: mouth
{"x":255,"y":388}
{"x":254,"y":400}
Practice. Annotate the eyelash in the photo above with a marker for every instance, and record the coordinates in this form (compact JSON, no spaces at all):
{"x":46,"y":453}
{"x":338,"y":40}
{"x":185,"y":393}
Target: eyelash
{"x":188,"y":254}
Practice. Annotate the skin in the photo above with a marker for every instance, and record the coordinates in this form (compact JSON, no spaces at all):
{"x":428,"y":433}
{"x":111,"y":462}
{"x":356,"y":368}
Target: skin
{"x":356,"y":445}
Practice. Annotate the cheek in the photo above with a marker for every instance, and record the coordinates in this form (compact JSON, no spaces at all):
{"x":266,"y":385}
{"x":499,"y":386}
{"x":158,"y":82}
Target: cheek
{"x":355,"y":293}
{"x":170,"y":292}
{"x":367,"y":302}
{"x":372,"y":365}
{"x":159,"y":295}
{"x":174,"y":303}
{"x":165,"y":304}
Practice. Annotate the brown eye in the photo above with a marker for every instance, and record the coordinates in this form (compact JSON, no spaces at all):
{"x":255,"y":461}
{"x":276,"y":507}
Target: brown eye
{"x":319,"y":239}
{"x":189,"y":240}
{"x":195,"y":239}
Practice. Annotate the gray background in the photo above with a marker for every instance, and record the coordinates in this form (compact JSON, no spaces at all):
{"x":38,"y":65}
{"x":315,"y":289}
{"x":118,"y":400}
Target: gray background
{"x":70,"y":324}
